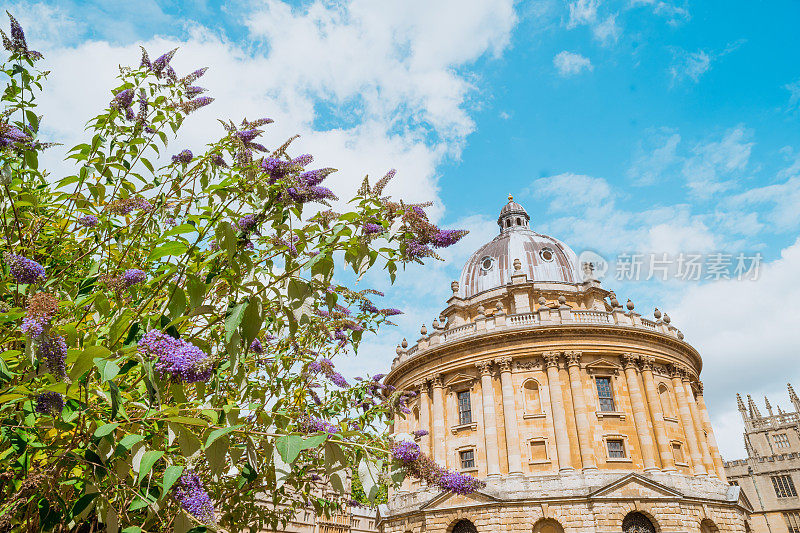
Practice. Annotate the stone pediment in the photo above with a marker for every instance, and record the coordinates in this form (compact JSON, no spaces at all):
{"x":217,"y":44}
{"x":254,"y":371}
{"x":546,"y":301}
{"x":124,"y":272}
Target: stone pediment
{"x":448,"y":500}
{"x":635,"y":486}
{"x":460,"y":380}
{"x":603,"y":365}
{"x":735,"y":493}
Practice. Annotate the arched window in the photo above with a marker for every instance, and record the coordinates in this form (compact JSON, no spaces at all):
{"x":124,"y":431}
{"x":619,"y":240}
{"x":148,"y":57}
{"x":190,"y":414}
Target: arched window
{"x":508,"y":223}
{"x":464,"y":526}
{"x":519,"y":221}
{"x":637,"y":523}
{"x":707,"y":526}
{"x":547,"y":525}
{"x":533,"y":403}
{"x":666,"y":401}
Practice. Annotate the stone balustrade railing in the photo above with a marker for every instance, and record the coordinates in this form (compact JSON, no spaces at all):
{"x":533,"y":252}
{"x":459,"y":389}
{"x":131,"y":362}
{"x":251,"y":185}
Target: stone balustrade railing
{"x":763,"y":459}
{"x":776,"y":420}
{"x":545,"y":316}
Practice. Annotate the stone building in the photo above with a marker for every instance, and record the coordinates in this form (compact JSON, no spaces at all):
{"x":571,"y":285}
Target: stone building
{"x":350,"y":520}
{"x":580,"y":414}
{"x":770,"y":476}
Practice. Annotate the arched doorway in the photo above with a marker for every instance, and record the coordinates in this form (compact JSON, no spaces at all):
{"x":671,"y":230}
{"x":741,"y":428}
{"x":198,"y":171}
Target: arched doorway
{"x":637,"y":523}
{"x":464,"y":526}
{"x":547,"y":525}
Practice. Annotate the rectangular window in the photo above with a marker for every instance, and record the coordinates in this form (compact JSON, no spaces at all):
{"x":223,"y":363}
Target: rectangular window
{"x":467,"y":459}
{"x":464,"y":408}
{"x":792,"y":521}
{"x":677,"y":452}
{"x":605,"y":394}
{"x":781,"y":440}
{"x":616,"y":448}
{"x":784,"y":486}
{"x":733,"y":483}
{"x":538,"y":450}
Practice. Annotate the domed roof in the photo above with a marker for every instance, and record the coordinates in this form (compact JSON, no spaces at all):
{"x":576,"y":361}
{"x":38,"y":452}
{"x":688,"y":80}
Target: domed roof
{"x":542,"y":258}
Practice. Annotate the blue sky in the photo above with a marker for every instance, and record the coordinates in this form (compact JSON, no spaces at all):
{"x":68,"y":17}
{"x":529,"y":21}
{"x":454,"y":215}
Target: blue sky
{"x":633,"y":126}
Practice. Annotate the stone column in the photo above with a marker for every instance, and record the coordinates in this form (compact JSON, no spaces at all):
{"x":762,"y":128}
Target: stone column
{"x":688,"y":424}
{"x":639,"y":414}
{"x":510,"y":417}
{"x":579,"y":406}
{"x":438,"y":440}
{"x":698,"y":426}
{"x":557,"y":406}
{"x":654,"y":402}
{"x":489,"y":420}
{"x":424,"y":416}
{"x":712,"y":440}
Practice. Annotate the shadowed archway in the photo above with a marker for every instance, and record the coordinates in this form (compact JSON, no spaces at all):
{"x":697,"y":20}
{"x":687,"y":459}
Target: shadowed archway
{"x":637,"y":523}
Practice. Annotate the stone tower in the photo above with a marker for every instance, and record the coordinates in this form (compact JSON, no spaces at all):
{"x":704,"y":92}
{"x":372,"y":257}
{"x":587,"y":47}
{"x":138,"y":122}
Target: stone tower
{"x":580,"y":414}
{"x":770,"y":476}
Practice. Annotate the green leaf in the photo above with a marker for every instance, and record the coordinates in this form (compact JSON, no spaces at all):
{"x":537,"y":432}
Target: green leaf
{"x":108,"y":369}
{"x":217,"y":433}
{"x":289,"y":447}
{"x":83,"y":503}
{"x":368,"y":474}
{"x":171,"y":475}
{"x":148,"y":460}
{"x":234,"y":318}
{"x":215,"y":455}
{"x":105,"y":429}
{"x":251,"y":321}
{"x":170,"y":248}
{"x":197,"y":291}
{"x":282,"y":469}
{"x":128,"y":441}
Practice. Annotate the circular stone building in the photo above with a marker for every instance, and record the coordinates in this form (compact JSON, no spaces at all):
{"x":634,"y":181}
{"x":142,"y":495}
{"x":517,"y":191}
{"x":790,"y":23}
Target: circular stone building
{"x":580,"y":414}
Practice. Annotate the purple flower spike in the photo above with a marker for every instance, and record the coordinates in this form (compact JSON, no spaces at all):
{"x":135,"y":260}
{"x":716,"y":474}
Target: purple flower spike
{"x":372,"y":229}
{"x":338,"y":380}
{"x":256,"y":347}
{"x":316,"y":425}
{"x":406,"y":451}
{"x":24,"y":270}
{"x":218,"y":161}
{"x":181,"y":360}
{"x":53,"y":351}
{"x":247,"y":223}
{"x":133,"y":276}
{"x":194,"y":104}
{"x":123,"y":99}
{"x":184,"y":157}
{"x":89,"y":221}
{"x":33,"y":327}
{"x":193,"y":498}
{"x":447,"y":237}
{"x":420,"y":432}
{"x":49,"y":403}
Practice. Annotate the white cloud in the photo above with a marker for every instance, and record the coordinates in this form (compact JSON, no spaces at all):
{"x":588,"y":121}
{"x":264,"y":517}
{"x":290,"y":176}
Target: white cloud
{"x":586,"y":13}
{"x":570,"y":64}
{"x":794,"y":94}
{"x":690,"y":65}
{"x":745,"y":332}
{"x":714,"y":166}
{"x":392,"y":68}
{"x":656,"y":155}
{"x":674,"y":13}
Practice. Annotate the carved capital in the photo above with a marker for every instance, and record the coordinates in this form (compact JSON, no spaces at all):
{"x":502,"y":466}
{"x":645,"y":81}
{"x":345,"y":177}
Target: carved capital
{"x":573,"y":358}
{"x":437,"y":381}
{"x":675,"y":371}
{"x":629,"y":360}
{"x":551,"y":359}
{"x":504,"y":363}
{"x":484,"y":367}
{"x":698,"y":387}
{"x":648,"y":362}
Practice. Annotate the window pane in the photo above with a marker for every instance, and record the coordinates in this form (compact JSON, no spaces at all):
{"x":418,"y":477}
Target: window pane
{"x":464,"y":408}
{"x":467,"y":459}
{"x":616,"y":449}
{"x":605,"y":394}
{"x":792,"y":521}
{"x":784,"y":486}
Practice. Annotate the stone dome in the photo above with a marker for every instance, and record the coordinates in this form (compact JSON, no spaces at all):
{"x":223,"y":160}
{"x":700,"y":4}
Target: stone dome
{"x":542,"y":258}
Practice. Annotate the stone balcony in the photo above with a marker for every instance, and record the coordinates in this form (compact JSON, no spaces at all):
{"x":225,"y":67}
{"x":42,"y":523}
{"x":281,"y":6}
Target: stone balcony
{"x":543,"y":317}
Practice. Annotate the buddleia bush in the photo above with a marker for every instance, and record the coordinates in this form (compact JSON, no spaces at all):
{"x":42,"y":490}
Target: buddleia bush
{"x":170,"y":321}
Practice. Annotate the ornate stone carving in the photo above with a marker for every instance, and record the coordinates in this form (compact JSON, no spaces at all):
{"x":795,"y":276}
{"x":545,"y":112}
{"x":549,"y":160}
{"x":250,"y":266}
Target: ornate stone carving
{"x":647,"y":362}
{"x":437,"y":380}
{"x":551,"y":359}
{"x":573,"y":358}
{"x":484,"y":367}
{"x":504,"y":363}
{"x":629,"y":360}
{"x":675,"y":371}
{"x":699,"y":387}
{"x":530,"y":364}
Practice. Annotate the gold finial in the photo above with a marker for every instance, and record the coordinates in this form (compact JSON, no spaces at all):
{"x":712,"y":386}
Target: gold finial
{"x":510,"y":198}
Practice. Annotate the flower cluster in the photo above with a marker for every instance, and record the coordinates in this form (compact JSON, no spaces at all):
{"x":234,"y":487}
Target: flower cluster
{"x":16,"y":44}
{"x":244,"y":139}
{"x":133,"y":276}
{"x":53,"y":350}
{"x":423,"y":467}
{"x":193,"y":497}
{"x":325,"y":366}
{"x":24,"y":270}
{"x":49,"y":403}
{"x":300,"y":186}
{"x":256,"y":347}
{"x":127,"y":205}
{"x":419,"y":433}
{"x":181,"y":360}
{"x":310,"y":424}
{"x":185,"y":157}
{"x":89,"y":221}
